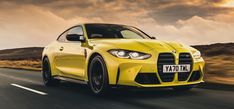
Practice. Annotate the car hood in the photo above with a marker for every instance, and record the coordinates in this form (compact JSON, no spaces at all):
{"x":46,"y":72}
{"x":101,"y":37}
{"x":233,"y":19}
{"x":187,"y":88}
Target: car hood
{"x":140,"y":45}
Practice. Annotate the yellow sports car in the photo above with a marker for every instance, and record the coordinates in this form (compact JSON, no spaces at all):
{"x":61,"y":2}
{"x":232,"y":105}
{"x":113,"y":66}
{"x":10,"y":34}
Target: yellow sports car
{"x":110,"y":55}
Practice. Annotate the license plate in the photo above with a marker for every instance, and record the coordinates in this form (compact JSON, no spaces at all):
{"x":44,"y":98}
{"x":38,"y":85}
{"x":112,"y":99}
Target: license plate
{"x":176,"y":68}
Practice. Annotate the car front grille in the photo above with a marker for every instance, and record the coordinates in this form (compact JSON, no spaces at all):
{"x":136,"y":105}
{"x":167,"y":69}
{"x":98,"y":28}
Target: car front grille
{"x":169,"y":59}
{"x":185,"y":58}
{"x":165,"y":59}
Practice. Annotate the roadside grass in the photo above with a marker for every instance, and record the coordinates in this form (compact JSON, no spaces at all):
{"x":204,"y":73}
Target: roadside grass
{"x":220,"y":69}
{"x":21,"y":64}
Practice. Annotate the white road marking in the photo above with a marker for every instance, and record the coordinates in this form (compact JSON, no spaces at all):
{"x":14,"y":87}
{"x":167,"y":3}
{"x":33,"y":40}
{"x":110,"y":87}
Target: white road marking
{"x":29,"y":89}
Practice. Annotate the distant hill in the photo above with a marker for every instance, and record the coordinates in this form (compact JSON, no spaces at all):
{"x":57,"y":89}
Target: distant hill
{"x":34,"y":53}
{"x":31,"y":53}
{"x":216,"y":49}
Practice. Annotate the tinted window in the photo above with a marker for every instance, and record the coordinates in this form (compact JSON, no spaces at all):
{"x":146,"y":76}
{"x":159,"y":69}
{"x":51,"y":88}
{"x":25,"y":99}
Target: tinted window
{"x":76,"y":30}
{"x":62,"y":38}
{"x":114,"y":31}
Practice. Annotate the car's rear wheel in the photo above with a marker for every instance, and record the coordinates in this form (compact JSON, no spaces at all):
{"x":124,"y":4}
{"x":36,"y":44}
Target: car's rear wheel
{"x":48,"y":80}
{"x":183,"y":88}
{"x":98,"y":76}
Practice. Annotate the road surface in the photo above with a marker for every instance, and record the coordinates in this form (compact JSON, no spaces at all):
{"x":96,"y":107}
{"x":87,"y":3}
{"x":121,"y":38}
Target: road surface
{"x":21,"y":89}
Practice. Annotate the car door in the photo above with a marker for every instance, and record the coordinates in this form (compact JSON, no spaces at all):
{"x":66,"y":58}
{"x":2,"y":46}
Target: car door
{"x":71,"y":60}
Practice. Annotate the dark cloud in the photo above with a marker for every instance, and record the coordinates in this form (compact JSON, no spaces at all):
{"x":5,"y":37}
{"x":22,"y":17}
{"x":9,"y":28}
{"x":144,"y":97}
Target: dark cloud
{"x":163,"y":11}
{"x":37,"y":22}
{"x":183,"y":12}
{"x":170,"y":11}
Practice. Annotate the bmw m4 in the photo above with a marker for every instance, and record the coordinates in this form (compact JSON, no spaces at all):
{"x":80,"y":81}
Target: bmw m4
{"x":111,"y":55}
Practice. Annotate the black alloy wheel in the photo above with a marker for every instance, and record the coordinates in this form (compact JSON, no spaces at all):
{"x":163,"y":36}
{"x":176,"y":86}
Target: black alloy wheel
{"x":48,"y":80}
{"x":98,"y":76}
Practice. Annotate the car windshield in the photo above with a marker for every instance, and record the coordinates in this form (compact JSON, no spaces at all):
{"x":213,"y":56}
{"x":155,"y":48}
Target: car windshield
{"x":105,"y":31}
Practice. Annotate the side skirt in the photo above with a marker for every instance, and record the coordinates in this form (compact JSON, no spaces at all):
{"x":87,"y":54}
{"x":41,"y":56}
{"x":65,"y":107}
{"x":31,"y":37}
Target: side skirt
{"x":70,"y":80}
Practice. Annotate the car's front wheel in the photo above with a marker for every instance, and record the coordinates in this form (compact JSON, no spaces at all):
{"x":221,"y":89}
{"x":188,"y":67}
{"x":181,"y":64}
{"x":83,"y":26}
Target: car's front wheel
{"x":98,"y":76}
{"x":46,"y":74}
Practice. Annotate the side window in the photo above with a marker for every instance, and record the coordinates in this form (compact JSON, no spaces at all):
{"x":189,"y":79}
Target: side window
{"x":62,"y":38}
{"x":76,"y":30}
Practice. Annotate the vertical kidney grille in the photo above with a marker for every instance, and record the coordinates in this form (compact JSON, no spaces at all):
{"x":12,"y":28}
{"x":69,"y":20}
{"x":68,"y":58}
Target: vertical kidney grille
{"x":169,"y":59}
{"x":165,"y":59}
{"x":185,"y":58}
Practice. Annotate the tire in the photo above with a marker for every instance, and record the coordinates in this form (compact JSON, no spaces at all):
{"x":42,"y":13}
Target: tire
{"x":98,"y":76}
{"x":48,"y":80}
{"x":183,"y":88}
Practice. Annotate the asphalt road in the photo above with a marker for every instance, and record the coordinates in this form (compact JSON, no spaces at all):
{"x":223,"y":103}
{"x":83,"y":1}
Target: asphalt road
{"x":21,"y":89}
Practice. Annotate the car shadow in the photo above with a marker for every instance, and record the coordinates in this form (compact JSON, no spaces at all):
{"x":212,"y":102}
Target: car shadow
{"x":133,"y":97}
{"x":120,"y":93}
{"x":217,"y":86}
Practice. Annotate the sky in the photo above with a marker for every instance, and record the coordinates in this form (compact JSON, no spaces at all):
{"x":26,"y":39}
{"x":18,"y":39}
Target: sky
{"x":35,"y":23}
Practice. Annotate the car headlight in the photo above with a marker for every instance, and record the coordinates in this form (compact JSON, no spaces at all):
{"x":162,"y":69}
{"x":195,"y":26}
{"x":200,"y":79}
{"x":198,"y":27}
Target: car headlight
{"x":127,"y":54}
{"x":196,"y":54}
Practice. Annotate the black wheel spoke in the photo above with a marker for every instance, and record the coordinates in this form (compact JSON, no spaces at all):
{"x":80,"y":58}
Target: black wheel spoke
{"x":97,"y":76}
{"x":45,"y":71}
{"x":46,"y":74}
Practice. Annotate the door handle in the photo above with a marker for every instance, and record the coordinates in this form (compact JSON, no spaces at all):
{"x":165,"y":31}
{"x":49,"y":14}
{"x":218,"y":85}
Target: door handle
{"x":61,"y":49}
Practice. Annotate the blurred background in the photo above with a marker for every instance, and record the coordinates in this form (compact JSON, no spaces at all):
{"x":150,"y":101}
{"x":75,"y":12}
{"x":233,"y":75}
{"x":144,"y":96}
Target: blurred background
{"x":26,"y":26}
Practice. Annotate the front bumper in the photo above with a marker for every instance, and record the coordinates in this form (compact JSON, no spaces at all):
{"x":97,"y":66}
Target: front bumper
{"x":127,"y":72}
{"x":128,"y":76}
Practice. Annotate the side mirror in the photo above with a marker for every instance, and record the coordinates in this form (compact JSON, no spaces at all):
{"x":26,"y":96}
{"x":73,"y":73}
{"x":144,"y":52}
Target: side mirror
{"x":153,"y":37}
{"x":75,"y":37}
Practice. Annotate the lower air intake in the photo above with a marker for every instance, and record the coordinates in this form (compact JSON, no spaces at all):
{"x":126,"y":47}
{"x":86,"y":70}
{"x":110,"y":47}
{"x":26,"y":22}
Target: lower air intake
{"x":147,"y":78}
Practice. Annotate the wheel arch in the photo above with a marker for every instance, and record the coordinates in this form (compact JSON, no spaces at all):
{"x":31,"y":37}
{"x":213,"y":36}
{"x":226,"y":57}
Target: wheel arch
{"x":89,"y":61}
{"x":42,"y":61}
{"x":54,"y":71}
{"x":43,"y":57}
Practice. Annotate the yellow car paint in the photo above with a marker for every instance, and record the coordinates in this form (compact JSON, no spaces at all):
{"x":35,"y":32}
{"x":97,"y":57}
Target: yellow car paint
{"x":74,"y":62}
